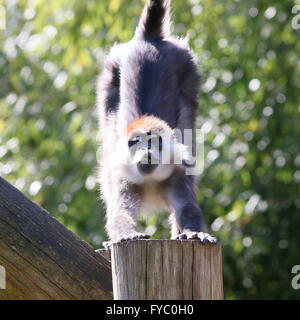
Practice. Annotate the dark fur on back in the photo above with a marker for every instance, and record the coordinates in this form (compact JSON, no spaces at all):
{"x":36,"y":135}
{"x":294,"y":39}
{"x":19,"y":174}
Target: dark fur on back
{"x":152,"y":74}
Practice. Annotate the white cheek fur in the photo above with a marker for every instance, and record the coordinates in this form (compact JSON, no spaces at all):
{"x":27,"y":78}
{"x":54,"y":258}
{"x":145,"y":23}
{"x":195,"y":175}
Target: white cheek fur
{"x":173,"y":153}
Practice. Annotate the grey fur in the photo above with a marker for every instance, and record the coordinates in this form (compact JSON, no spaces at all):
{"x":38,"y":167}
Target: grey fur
{"x":152,"y":74}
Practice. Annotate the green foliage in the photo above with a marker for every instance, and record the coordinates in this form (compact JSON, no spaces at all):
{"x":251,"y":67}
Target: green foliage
{"x":249,"y":54}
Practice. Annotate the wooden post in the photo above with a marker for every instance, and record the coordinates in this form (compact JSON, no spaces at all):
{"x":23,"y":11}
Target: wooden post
{"x":41,"y":258}
{"x":166,"y":269}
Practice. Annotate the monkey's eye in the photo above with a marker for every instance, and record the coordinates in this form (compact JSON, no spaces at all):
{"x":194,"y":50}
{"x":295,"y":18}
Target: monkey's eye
{"x":133,"y":142}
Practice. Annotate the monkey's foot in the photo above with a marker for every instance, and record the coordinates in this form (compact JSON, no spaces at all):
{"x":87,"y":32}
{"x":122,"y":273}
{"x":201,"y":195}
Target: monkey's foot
{"x":202,"y":236}
{"x":106,"y":245}
{"x":132,"y":236}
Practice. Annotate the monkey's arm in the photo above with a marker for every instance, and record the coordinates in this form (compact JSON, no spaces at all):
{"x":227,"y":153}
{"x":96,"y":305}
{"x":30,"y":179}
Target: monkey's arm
{"x":188,"y":215}
{"x":122,"y":209}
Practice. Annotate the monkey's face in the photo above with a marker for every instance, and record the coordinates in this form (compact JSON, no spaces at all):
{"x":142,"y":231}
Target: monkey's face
{"x":152,"y":150}
{"x":151,"y":154}
{"x":145,"y":150}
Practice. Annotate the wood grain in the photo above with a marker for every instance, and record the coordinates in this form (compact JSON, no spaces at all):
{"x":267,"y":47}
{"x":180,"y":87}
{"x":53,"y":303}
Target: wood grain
{"x":167,"y":270}
{"x":202,"y":271}
{"x":42,"y":258}
{"x":172,"y":277}
{"x":187,"y":270}
{"x":217,"y":278}
{"x":45,"y":260}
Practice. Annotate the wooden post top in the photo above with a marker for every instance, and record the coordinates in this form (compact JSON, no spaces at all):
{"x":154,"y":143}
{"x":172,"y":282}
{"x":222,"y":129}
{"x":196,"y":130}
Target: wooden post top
{"x":166,"y":269}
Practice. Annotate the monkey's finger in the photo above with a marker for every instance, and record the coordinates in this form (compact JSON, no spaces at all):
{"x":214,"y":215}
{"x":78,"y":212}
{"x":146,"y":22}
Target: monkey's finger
{"x":133,"y":236}
{"x":206,"y":238}
{"x":106,"y":245}
{"x":141,"y":236}
{"x":211,"y":239}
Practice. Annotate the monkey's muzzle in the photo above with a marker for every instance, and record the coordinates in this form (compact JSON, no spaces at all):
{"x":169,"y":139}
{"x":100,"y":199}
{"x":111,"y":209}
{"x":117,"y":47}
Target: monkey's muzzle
{"x":147,"y":165}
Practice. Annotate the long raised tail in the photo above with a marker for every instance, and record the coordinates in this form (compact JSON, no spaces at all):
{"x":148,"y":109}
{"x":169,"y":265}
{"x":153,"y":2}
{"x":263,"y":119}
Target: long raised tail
{"x":154,"y":23}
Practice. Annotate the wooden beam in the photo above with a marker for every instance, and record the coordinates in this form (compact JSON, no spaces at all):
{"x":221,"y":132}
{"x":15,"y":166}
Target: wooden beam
{"x":166,"y":269}
{"x":42,"y":258}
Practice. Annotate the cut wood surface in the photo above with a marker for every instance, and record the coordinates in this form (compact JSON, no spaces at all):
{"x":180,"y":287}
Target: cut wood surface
{"x":42,"y":258}
{"x":166,"y":269}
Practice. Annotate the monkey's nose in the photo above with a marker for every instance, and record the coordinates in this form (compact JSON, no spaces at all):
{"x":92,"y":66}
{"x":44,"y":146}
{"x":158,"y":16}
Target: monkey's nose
{"x":145,"y":166}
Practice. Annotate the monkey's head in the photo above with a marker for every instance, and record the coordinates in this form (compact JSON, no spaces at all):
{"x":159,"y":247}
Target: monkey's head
{"x":153,"y":150}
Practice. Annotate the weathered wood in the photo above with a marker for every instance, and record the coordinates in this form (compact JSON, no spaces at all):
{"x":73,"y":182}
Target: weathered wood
{"x":104,"y":253}
{"x":154,"y":267}
{"x":166,"y":269}
{"x":172,"y":277}
{"x":42,"y":258}
{"x":217,"y":279}
{"x":131,"y":272}
{"x":187,"y":270}
{"x":202,"y":272}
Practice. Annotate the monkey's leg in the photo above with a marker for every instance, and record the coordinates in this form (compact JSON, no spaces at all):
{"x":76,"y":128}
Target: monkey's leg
{"x":174,"y":226}
{"x":188,"y":217}
{"x":122,"y":210}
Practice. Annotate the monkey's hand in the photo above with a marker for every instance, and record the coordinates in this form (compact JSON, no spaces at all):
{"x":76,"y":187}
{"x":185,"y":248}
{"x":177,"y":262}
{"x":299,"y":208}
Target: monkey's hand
{"x":132,"y":236}
{"x":202,"y":236}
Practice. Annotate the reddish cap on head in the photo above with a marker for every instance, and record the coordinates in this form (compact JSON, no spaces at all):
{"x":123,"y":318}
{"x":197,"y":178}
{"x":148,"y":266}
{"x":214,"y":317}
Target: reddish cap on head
{"x":146,"y":124}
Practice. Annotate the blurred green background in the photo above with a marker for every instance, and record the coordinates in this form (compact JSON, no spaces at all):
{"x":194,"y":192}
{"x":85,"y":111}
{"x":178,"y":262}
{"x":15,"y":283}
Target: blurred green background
{"x":249,"y":55}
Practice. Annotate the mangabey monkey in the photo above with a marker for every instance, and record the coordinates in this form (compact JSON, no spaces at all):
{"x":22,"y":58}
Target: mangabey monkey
{"x":148,"y":88}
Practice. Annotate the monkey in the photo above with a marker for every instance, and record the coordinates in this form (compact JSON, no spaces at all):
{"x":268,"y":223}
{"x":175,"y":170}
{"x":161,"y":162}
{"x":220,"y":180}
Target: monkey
{"x":147,"y":90}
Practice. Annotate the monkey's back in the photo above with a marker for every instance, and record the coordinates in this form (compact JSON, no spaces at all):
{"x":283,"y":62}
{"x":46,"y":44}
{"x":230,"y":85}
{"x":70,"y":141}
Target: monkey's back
{"x":157,"y":77}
